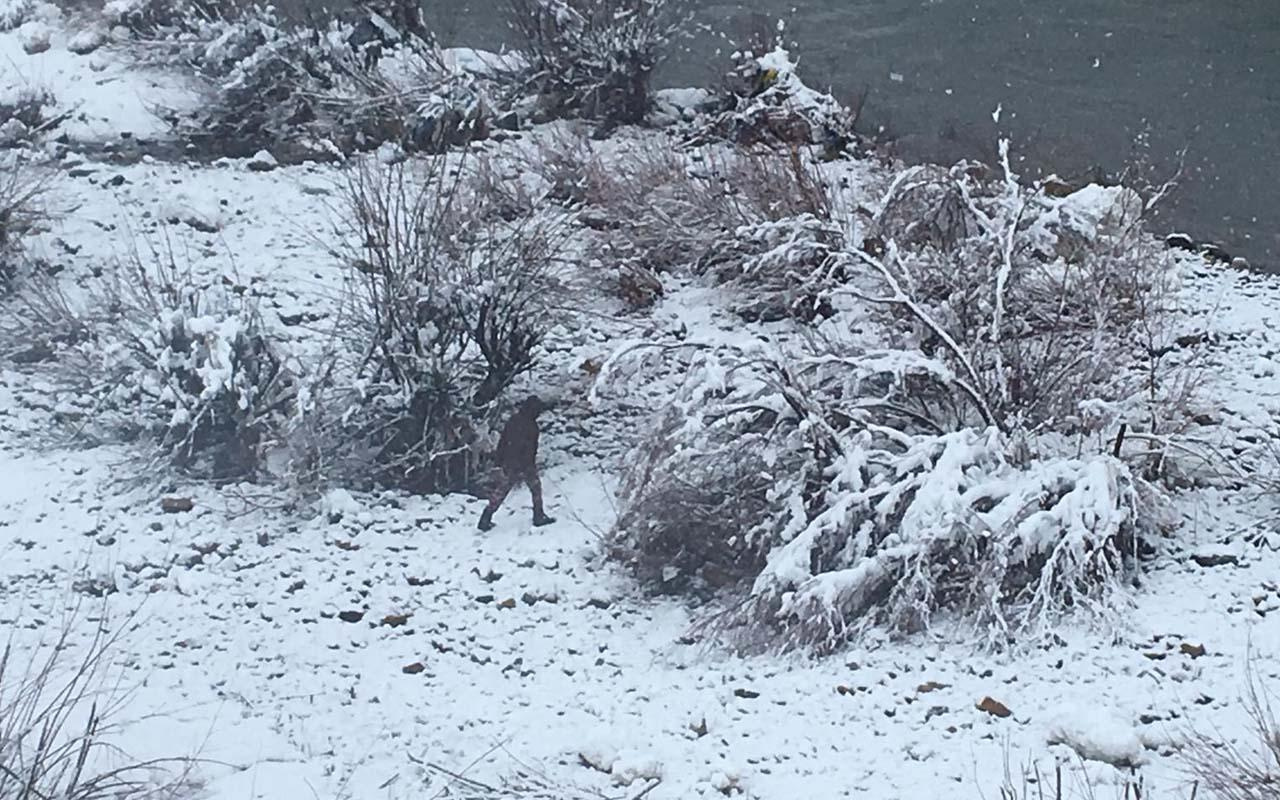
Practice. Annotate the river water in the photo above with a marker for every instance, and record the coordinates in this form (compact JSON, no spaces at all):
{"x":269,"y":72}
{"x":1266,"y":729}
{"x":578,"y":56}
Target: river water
{"x":1079,"y":81}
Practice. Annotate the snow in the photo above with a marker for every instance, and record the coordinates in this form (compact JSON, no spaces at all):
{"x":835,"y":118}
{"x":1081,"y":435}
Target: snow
{"x":237,"y":654}
{"x":1097,"y":734}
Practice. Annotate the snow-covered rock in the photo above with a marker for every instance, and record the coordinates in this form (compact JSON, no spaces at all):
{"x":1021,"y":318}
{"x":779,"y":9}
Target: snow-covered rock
{"x":36,"y":37}
{"x":87,"y":41}
{"x":1098,"y":734}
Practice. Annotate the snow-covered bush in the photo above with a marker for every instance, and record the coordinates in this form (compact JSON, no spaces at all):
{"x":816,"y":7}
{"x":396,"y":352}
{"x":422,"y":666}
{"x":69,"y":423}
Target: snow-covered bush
{"x":805,"y":480}
{"x":171,"y":358}
{"x":24,"y":113}
{"x":1050,"y":309}
{"x":757,"y":221}
{"x":313,"y":92}
{"x":768,"y":104}
{"x":13,"y":13}
{"x":591,"y":58}
{"x":20,"y":209}
{"x":451,"y":298}
{"x":59,"y":716}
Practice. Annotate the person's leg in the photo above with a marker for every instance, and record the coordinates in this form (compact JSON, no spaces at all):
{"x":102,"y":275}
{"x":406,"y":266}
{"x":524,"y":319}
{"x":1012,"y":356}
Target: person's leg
{"x":499,"y":493}
{"x":535,"y":489}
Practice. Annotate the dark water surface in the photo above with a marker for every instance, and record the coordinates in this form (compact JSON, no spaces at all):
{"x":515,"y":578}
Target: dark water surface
{"x":1078,"y":80}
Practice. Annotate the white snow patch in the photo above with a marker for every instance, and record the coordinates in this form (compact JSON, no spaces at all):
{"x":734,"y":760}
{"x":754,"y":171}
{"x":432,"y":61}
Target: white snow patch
{"x":1097,"y":734}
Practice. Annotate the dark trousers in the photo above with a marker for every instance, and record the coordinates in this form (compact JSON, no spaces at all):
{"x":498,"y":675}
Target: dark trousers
{"x":507,"y":482}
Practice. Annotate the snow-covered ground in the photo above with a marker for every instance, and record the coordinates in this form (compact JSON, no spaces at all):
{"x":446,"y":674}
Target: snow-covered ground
{"x":337,"y":652}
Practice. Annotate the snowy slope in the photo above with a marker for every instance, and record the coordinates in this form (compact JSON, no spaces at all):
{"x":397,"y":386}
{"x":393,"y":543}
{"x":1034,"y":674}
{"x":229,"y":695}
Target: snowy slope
{"x":337,"y":654}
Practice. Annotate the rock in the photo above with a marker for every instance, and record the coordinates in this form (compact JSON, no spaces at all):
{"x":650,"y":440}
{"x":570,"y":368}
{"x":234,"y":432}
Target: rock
{"x":86,"y":41}
{"x":509,"y":121}
{"x":1096,"y":735}
{"x":596,"y":602}
{"x":390,"y":153}
{"x":994,"y":707}
{"x":413,"y":669}
{"x":176,"y":505}
{"x":1054,"y":186}
{"x":931,"y":686}
{"x":13,"y":132}
{"x":351,"y":616}
{"x":1215,"y":559}
{"x":1213,"y":252}
{"x":1193,"y":650}
{"x":510,"y":602}
{"x":262,"y":161}
{"x":528,"y":598}
{"x":745,"y":694}
{"x":1180,"y":241}
{"x":35,"y":354}
{"x":395,"y":620}
{"x":34,"y":36}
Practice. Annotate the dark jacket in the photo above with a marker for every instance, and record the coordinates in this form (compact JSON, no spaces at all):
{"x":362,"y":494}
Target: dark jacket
{"x":517,"y":451}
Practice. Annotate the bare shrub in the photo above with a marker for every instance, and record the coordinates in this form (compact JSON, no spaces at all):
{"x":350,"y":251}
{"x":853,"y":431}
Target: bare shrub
{"x":57,"y":724}
{"x":1228,"y":769}
{"x":758,"y":221}
{"x":1040,"y":303}
{"x":167,"y":356}
{"x":591,"y":58}
{"x":450,"y":302}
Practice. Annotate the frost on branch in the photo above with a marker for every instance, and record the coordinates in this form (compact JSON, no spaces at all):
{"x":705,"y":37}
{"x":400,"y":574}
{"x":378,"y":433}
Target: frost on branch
{"x":806,"y":484}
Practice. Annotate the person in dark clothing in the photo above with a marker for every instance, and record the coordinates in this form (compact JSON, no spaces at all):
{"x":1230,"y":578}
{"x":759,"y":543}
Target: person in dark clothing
{"x":517,"y":455}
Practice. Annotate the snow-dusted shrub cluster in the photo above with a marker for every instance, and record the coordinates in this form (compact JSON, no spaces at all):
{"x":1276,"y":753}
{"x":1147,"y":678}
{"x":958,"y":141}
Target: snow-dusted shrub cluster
{"x":591,"y":58}
{"x":20,"y":210}
{"x":309,"y":92}
{"x":451,"y":298}
{"x":13,"y":13}
{"x":757,"y":221}
{"x":801,"y":478}
{"x":768,"y":104}
{"x":169,"y":357}
{"x":955,"y":459}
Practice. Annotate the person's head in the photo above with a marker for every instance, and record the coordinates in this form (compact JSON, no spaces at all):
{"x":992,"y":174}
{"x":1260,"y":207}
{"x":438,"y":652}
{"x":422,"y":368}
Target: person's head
{"x":534,"y":405}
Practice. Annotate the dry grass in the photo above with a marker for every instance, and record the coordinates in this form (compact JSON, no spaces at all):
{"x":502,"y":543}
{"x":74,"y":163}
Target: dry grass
{"x":57,"y":722}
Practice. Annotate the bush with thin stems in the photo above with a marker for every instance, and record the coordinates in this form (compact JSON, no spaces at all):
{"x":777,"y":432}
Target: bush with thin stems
{"x":591,"y":58}
{"x":451,"y":296}
{"x":58,"y":719}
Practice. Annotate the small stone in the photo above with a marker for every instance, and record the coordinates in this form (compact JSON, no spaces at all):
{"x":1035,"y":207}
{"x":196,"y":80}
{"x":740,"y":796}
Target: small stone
{"x":351,"y":616}
{"x":484,"y":598}
{"x":413,"y":669}
{"x":34,"y":36}
{"x":1215,"y":559}
{"x":745,"y":694}
{"x":1193,"y":650}
{"x":931,"y":686}
{"x":395,"y":620}
{"x":176,"y":505}
{"x":262,"y":161}
{"x":528,"y":598}
{"x":994,"y":707}
{"x":599,"y":603}
{"x":86,"y":41}
{"x":510,"y":602}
